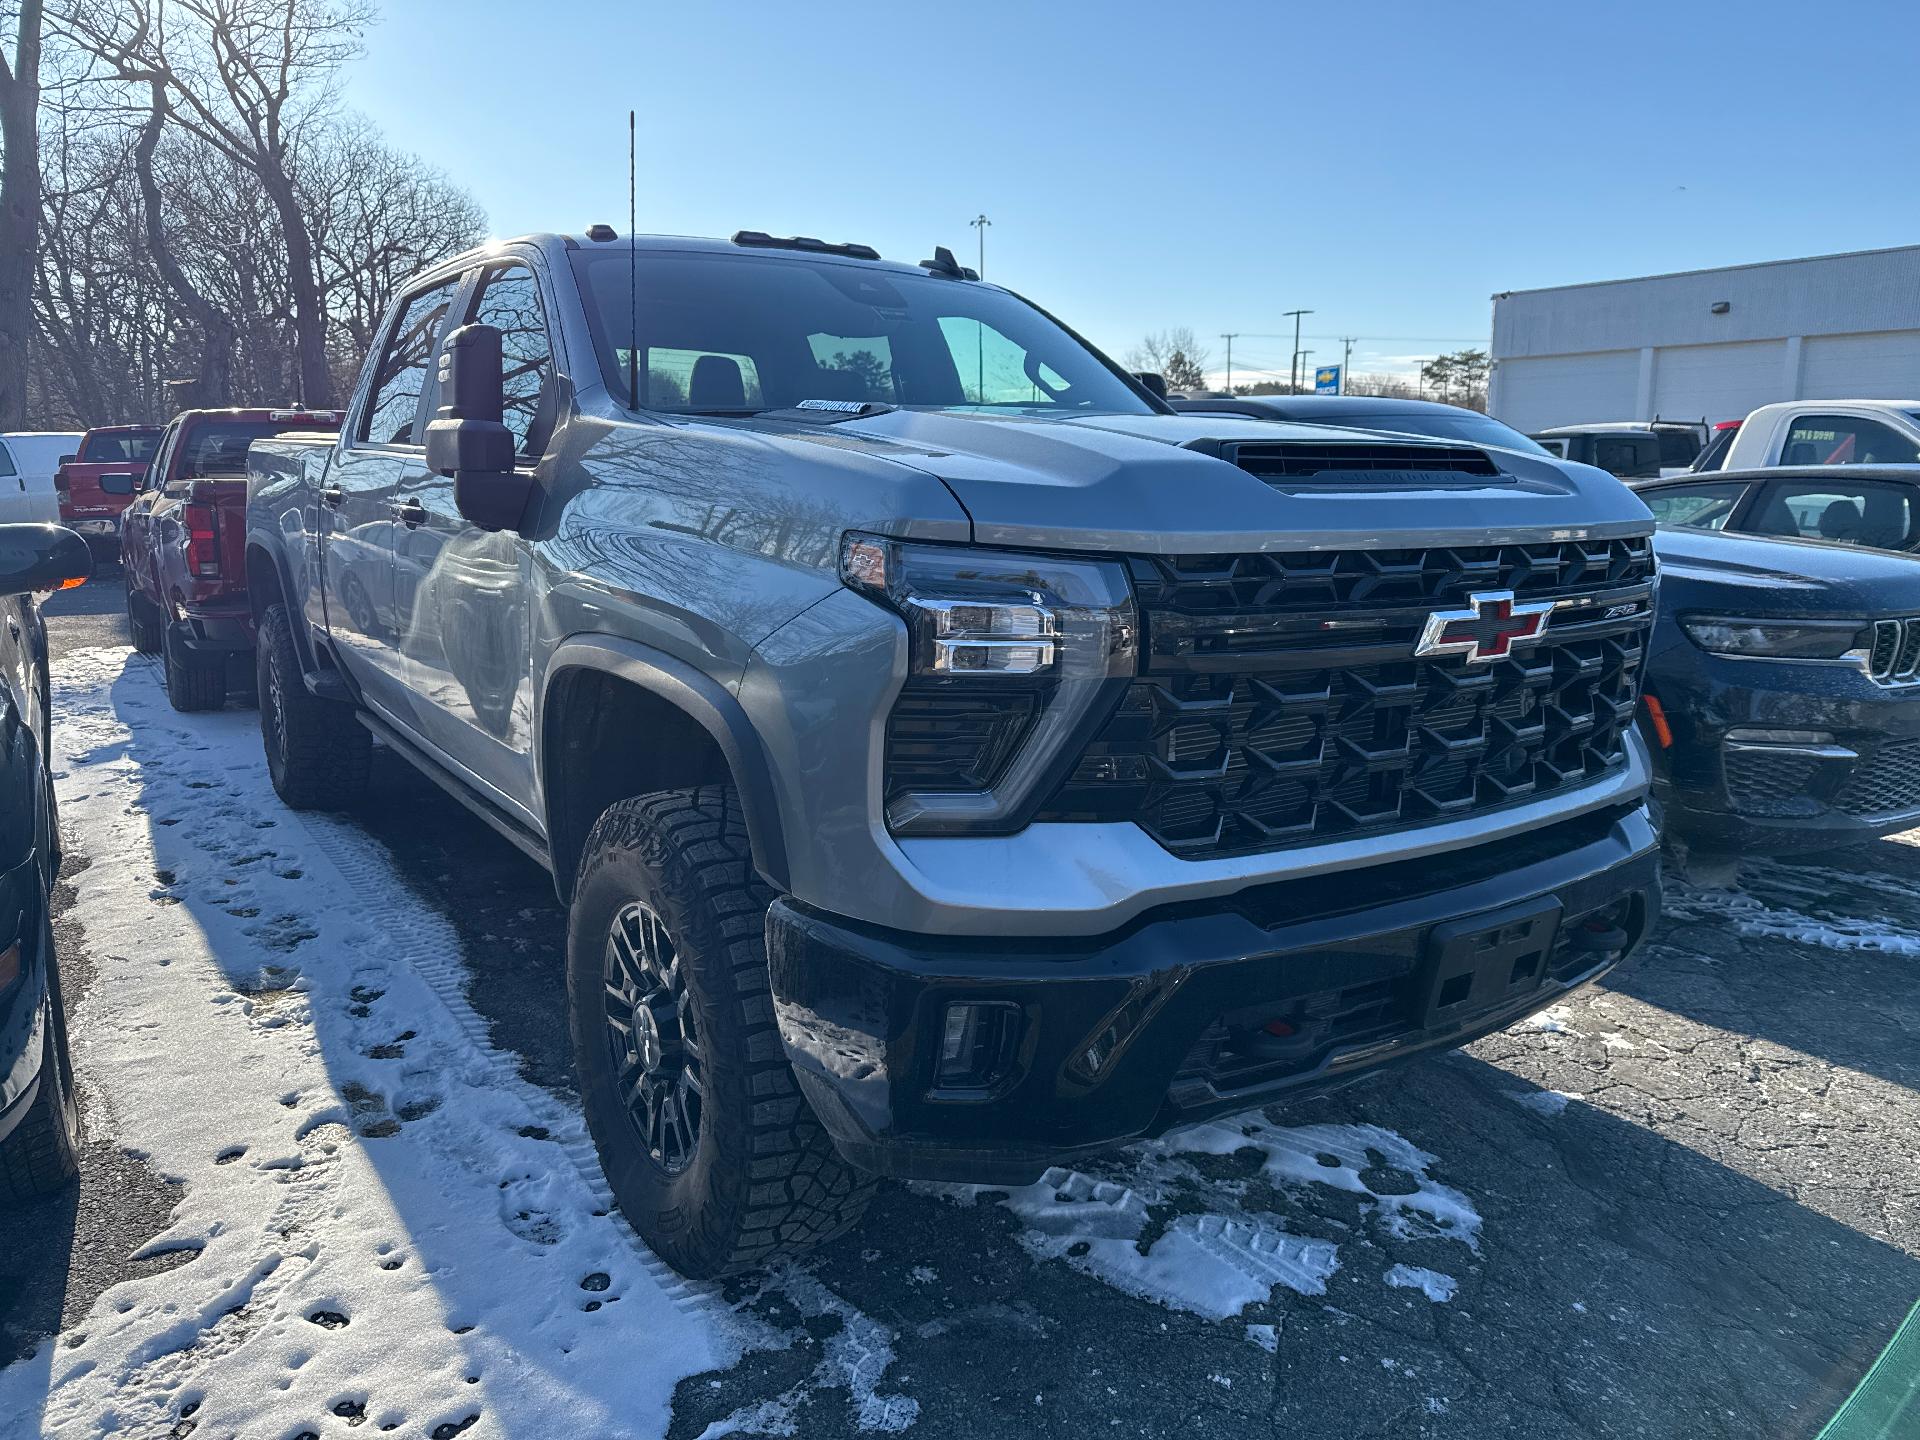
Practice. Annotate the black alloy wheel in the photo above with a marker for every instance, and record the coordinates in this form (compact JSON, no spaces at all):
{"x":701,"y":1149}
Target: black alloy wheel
{"x":658,"y":1060}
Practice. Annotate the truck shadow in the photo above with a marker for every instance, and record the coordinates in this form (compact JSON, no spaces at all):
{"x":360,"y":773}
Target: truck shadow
{"x":1623,"y":1280}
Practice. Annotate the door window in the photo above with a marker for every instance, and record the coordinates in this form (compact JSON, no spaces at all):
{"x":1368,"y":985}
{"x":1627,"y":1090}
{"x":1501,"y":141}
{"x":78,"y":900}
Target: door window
{"x":6,"y":460}
{"x":1845,"y":440}
{"x":1702,"y":507}
{"x":1867,"y":512}
{"x":393,"y":409}
{"x":995,"y":370}
{"x":510,"y":302}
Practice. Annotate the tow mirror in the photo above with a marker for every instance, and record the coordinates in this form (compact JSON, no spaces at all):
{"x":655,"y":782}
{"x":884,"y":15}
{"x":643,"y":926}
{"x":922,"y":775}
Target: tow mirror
{"x":41,"y":557}
{"x":116,"y":484}
{"x":467,"y":440}
{"x":1153,"y":380}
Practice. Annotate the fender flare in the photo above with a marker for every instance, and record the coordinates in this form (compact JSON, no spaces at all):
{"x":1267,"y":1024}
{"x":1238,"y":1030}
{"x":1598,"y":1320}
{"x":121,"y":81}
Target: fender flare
{"x":268,"y":543}
{"x":704,"y":700}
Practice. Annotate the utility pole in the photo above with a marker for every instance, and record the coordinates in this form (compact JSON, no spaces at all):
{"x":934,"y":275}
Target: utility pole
{"x":1346,"y":360}
{"x":1306,"y":371}
{"x":981,"y":222}
{"x":1228,"y":337}
{"x":1296,"y":314}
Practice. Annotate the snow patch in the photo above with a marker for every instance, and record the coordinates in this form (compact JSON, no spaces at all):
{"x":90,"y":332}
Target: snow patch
{"x":1431,"y":1283}
{"x":1544,"y":1102}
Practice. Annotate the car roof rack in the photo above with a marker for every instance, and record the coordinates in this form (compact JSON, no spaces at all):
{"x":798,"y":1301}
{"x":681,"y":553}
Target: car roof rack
{"x":765,"y":241}
{"x":943,"y":263}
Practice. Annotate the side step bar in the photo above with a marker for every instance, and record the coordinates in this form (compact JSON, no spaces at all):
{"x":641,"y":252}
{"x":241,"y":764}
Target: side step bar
{"x":531,"y":844}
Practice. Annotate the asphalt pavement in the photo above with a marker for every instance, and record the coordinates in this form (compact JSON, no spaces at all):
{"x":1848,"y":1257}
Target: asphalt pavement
{"x":1698,"y":1188}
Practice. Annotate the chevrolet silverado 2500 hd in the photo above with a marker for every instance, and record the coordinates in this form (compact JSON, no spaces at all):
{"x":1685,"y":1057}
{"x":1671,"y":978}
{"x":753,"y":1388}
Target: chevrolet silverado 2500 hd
{"x":953,"y":760}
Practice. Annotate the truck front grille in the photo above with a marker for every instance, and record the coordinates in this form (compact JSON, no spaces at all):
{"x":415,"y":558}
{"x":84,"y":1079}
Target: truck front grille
{"x":1280,"y":702}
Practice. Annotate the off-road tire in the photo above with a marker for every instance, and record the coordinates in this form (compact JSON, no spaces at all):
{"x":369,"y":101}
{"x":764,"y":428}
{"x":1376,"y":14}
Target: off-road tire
{"x":42,"y":1154}
{"x":764,"y":1182}
{"x":194,"y":682}
{"x":143,"y":624}
{"x":318,"y":752}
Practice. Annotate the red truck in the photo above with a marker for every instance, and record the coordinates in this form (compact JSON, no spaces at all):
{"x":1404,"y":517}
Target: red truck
{"x":94,"y":482}
{"x":183,"y":547}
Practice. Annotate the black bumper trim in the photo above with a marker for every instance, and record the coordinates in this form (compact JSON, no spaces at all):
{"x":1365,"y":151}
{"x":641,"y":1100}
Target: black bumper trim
{"x":1111,"y":1028}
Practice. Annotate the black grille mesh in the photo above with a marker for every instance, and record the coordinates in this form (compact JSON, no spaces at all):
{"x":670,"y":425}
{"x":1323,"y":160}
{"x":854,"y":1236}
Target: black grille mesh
{"x":1763,"y":783}
{"x":1886,"y":784}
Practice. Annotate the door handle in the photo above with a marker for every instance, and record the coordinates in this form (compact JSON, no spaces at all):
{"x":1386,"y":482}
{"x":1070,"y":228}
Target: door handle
{"x":412,"y":514}
{"x":334,"y":496}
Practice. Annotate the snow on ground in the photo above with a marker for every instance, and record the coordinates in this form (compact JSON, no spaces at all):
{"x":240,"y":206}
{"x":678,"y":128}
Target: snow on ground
{"x":1225,"y":1248}
{"x":392,"y":1227}
{"x":1810,"y":909}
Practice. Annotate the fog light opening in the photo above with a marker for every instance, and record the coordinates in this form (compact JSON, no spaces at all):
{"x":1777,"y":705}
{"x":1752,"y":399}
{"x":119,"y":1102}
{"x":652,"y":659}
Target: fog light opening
{"x":977,"y":1042}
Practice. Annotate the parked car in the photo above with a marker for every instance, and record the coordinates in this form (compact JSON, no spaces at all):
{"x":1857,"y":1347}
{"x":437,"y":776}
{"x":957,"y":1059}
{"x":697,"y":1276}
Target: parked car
{"x":1783,"y":693}
{"x":1827,"y":432}
{"x":1872,"y":505}
{"x":1631,"y":449}
{"x":1362,"y":412}
{"x":28,"y":460}
{"x":897,"y":689}
{"x":183,"y":548}
{"x":95,"y":482}
{"x":39,"y":1112}
{"x":1714,"y":457}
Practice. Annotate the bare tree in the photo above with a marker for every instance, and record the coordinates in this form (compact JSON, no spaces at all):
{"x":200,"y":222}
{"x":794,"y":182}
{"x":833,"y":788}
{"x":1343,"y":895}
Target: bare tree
{"x":245,"y":78}
{"x":19,"y":205}
{"x":1156,"y":351}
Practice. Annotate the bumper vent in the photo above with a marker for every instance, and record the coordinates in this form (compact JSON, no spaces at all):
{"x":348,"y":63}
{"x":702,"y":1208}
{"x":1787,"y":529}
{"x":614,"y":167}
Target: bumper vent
{"x":1280,"y":702}
{"x":1279,"y":460}
{"x":1895,"y":656}
{"x":1886,"y":784}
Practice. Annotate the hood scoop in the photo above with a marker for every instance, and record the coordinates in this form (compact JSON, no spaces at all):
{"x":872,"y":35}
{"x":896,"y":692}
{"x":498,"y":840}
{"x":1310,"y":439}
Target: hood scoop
{"x":1368,"y":463}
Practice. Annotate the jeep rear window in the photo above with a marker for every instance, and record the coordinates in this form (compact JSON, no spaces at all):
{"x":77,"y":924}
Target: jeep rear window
{"x":794,"y":329}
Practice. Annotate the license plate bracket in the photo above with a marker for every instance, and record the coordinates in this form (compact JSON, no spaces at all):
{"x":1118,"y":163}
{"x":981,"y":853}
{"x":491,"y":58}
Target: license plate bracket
{"x":1488,"y":961}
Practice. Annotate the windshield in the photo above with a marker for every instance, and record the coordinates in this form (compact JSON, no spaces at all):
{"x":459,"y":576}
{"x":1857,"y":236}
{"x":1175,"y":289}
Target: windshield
{"x":115,"y":447}
{"x":1475,"y":429}
{"x":737,"y":334}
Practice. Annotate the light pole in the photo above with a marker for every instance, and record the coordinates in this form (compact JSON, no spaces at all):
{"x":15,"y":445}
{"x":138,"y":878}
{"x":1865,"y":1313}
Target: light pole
{"x":1296,"y":314}
{"x":981,"y":222}
{"x":1306,"y":372}
{"x":1346,"y":360}
{"x":1228,"y":337}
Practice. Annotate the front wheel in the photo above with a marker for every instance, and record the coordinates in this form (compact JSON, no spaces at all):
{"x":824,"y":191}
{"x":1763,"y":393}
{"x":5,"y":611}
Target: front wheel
{"x":711,"y":1150}
{"x":318,"y":752}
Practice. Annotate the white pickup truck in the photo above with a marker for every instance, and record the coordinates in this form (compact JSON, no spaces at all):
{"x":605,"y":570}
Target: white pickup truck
{"x":1820,"y":432}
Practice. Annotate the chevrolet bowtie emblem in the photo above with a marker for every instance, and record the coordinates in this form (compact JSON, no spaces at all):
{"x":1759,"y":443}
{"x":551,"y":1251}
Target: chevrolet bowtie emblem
{"x":1487,"y":630}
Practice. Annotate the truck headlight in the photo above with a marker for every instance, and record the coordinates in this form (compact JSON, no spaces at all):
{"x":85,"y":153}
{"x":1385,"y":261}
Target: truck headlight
{"x":1848,"y":641}
{"x":1013,"y":659}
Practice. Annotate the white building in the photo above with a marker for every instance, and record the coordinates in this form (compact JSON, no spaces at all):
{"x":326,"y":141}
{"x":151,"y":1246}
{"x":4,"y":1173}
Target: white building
{"x":1709,"y":344}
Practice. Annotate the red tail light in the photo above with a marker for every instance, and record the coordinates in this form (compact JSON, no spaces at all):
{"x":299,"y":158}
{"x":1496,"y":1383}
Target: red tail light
{"x":203,"y":540}
{"x":62,"y":482}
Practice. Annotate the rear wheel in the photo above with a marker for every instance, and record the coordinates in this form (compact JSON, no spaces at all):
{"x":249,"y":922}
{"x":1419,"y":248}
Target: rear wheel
{"x":42,"y":1154}
{"x":194,"y":682}
{"x":318,"y":752}
{"x":708,"y":1144}
{"x":142,"y":623}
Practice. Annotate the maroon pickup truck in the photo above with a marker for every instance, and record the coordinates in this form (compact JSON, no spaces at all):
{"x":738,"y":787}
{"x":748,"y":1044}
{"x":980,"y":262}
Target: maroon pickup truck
{"x":183,"y":547}
{"x":94,"y":482}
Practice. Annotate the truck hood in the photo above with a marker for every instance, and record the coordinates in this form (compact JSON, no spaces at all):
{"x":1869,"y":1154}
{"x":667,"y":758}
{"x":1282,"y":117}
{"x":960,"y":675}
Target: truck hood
{"x":1132,"y":483}
{"x":1705,"y":569}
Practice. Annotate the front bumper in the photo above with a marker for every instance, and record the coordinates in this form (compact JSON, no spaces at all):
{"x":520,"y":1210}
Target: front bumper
{"x":1103,"y":1039}
{"x":1741,"y":775}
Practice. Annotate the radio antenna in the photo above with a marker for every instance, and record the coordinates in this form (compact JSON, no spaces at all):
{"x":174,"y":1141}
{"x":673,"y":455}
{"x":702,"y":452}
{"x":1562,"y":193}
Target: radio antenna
{"x":633,"y":281}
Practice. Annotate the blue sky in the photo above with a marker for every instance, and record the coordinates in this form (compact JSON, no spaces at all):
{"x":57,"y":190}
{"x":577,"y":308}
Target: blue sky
{"x":1387,"y":165}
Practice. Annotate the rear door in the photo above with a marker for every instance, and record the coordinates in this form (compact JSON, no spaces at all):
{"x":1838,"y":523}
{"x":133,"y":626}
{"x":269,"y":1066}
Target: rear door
{"x":136,"y":522}
{"x":463,"y":589}
{"x":381,"y":452}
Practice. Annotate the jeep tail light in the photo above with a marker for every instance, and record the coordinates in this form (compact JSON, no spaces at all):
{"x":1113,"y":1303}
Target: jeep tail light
{"x":203,"y":540}
{"x":1010,"y":655}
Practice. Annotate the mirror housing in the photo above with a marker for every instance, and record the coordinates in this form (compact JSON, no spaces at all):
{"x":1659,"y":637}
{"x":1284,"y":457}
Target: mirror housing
{"x":1154,"y":381}
{"x":466,"y":438}
{"x":119,"y":483}
{"x":42,"y":557}
{"x":69,"y":459}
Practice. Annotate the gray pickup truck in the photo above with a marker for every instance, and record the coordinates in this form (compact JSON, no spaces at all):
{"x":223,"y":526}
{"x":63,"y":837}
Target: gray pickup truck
{"x":954,"y":761}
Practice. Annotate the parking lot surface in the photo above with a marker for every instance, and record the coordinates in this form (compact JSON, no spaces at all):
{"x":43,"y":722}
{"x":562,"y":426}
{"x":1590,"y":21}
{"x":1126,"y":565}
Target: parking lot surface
{"x":1684,"y":1203}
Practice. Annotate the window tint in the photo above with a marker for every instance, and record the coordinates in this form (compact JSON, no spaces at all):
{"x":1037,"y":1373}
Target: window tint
{"x":1627,"y":455}
{"x":394,"y":406}
{"x":995,"y":370}
{"x":1703,"y":507}
{"x":6,"y":460}
{"x":1677,"y":448}
{"x":511,"y":304}
{"x":1865,"y":513}
{"x":1845,"y":440}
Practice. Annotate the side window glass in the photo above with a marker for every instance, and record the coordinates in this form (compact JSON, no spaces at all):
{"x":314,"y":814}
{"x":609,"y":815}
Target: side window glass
{"x":1845,"y":440}
{"x":1881,"y":516}
{"x":510,"y":302}
{"x":393,"y":408}
{"x":995,"y":370}
{"x":6,"y":461}
{"x":1704,"y":507}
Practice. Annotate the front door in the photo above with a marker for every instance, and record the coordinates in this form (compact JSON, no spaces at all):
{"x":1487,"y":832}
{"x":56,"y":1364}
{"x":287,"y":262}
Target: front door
{"x":359,"y":498}
{"x":463,"y":588}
